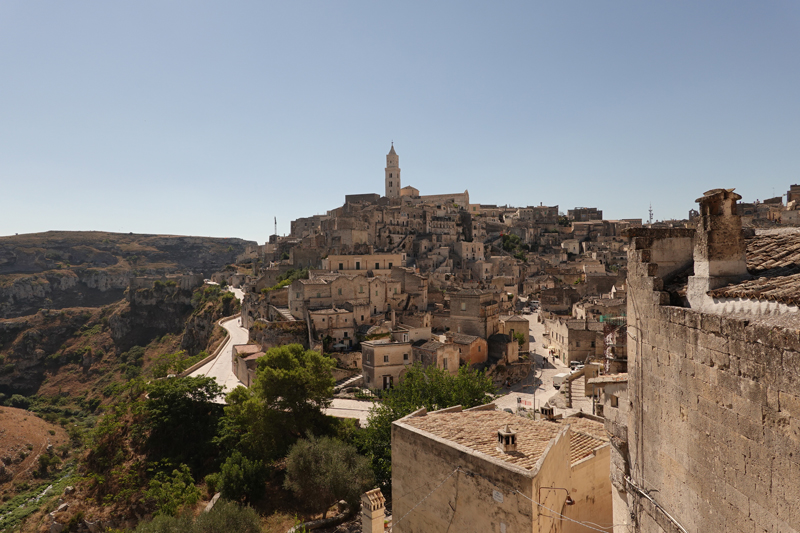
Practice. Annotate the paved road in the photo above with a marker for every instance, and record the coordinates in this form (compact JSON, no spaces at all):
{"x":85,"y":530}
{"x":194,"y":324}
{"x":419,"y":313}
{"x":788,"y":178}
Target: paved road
{"x":534,"y":396}
{"x":220,"y":368}
{"x":344,"y":408}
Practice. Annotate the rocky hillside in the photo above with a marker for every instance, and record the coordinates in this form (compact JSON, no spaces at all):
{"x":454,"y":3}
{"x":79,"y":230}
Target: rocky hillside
{"x":59,"y":269}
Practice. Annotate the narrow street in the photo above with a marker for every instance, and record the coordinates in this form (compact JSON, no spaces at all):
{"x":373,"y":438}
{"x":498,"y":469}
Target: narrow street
{"x":534,"y":396}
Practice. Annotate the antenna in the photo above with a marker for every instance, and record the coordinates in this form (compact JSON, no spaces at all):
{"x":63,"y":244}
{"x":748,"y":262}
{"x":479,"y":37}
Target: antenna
{"x":276,"y":225}
{"x":651,"y":214}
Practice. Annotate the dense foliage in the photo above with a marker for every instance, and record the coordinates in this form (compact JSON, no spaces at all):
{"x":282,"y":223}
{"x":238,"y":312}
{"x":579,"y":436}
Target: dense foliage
{"x":431,"y":388}
{"x":291,"y":388}
{"x":322,"y":471}
{"x":225,"y":517}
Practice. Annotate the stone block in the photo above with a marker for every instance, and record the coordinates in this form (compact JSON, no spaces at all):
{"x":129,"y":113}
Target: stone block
{"x":790,"y":404}
{"x":749,"y":428}
{"x":733,"y":328}
{"x":710,"y":323}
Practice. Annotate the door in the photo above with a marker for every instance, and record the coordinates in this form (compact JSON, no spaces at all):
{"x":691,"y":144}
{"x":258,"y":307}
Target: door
{"x":387,"y":382}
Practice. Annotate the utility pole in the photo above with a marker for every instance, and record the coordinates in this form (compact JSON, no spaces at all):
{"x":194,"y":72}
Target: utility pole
{"x":276,"y":226}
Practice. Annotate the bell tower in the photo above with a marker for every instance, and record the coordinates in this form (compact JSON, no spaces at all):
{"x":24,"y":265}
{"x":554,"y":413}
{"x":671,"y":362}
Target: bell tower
{"x":392,"y":174}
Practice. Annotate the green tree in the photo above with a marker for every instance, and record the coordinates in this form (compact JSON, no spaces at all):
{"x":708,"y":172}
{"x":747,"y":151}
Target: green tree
{"x":183,"y":419}
{"x":323,"y":471}
{"x":431,"y":388}
{"x":519,"y":337}
{"x":242,"y":479}
{"x":291,"y":388}
{"x":172,"y":491}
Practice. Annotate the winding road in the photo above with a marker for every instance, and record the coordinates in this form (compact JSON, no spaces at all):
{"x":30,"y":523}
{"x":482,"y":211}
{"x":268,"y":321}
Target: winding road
{"x":221,"y":367}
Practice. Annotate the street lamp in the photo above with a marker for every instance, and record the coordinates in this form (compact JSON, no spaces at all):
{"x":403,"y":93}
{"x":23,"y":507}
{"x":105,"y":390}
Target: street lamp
{"x":569,"y":500}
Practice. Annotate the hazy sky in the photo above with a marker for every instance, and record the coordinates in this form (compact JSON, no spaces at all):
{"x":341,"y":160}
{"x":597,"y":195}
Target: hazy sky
{"x":211,"y":118}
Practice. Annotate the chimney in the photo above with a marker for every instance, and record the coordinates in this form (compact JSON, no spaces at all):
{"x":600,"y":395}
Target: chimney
{"x":719,"y":247}
{"x":506,"y":440}
{"x":394,"y":323}
{"x":372,"y":511}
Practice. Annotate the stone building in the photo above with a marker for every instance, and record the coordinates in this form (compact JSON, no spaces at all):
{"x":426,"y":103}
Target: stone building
{"x":574,"y":340}
{"x":375,"y":264}
{"x":384,"y":362}
{"x":472,"y":350}
{"x":485,"y":470}
{"x":442,"y":355}
{"x":244,"y":359}
{"x":475,"y":312}
{"x":711,"y":438}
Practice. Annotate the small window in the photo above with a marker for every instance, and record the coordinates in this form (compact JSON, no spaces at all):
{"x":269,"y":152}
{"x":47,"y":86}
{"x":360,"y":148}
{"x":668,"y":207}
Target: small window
{"x":390,"y":265}
{"x":298,"y":295}
{"x":405,"y":357}
{"x":376,"y":293}
{"x":362,"y":318}
{"x":377,"y":266}
{"x":592,"y":344}
{"x":361,"y":289}
{"x":340,"y":292}
{"x":358,"y":265}
{"x":614,"y":401}
{"x":463,"y":306}
{"x":577,"y":344}
{"x":444,"y":364}
{"x":318,"y":295}
{"x":385,"y":358}
{"x":345,"y":334}
{"x":341,"y":266}
{"x":395,"y":290}
{"x":479,"y":349}
{"x":323,"y":320}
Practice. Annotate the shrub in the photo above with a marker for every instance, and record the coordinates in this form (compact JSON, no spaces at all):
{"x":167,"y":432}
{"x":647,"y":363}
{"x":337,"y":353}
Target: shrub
{"x":19,"y":401}
{"x":323,"y":471}
{"x":171,"y":492}
{"x":226,"y":517}
{"x":242,"y":479}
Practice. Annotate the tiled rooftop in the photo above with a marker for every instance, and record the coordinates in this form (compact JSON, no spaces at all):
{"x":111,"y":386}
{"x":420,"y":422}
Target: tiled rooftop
{"x":774,"y":261}
{"x":477,"y":430}
{"x":774,"y":254}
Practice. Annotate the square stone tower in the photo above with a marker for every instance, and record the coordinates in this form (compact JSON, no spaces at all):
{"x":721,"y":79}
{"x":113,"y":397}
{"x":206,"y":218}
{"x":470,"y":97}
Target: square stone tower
{"x":392,"y":174}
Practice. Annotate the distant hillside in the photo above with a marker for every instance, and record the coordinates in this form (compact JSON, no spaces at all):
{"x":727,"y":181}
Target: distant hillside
{"x":59,"y":269}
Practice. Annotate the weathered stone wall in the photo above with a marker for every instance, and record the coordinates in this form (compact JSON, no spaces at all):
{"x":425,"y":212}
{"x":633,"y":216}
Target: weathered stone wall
{"x":715,"y":409}
{"x":272,"y":334}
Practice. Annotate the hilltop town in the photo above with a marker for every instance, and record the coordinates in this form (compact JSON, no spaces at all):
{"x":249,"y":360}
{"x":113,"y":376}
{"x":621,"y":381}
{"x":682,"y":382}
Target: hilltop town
{"x":410,"y":362}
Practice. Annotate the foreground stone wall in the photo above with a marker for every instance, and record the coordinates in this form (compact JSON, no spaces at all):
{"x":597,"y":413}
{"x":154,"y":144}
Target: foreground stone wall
{"x":714,"y":425}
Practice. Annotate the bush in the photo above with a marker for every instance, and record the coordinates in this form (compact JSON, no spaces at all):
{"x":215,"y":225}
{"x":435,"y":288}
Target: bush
{"x":225,"y":517}
{"x":19,"y":401}
{"x":242,"y":479}
{"x":171,"y":492}
{"x":323,"y":471}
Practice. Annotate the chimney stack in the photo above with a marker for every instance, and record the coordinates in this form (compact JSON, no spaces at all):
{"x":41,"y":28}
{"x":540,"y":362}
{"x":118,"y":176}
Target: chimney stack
{"x":372,"y":511}
{"x":506,"y":440}
{"x":719,"y":248}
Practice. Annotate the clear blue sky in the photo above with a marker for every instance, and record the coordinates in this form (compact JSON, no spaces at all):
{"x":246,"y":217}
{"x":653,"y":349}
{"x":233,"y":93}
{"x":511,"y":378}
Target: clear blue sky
{"x":211,"y":118}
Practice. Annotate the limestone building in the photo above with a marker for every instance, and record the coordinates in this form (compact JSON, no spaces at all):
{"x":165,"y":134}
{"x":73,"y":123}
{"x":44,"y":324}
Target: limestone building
{"x":487,"y":470}
{"x":710,"y":440}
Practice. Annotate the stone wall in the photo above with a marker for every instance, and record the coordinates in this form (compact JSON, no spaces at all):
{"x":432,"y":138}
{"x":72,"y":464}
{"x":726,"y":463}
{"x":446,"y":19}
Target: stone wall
{"x":271,"y":334}
{"x":714,"y":425}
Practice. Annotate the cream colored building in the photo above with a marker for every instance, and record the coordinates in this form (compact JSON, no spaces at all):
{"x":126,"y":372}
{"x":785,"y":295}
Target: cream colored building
{"x":376,"y":264}
{"x":486,"y":470}
{"x":384,"y":362}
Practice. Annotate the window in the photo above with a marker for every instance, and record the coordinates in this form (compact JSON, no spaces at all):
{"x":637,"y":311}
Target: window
{"x":377,"y":265}
{"x":479,"y":349}
{"x":614,"y":401}
{"x":361,"y":289}
{"x":362,"y":318}
{"x":405,"y":357}
{"x":592,"y":344}
{"x":390,"y":265}
{"x":385,"y":358}
{"x":395,"y":290}
{"x":358,"y":265}
{"x":577,"y":344}
{"x":345,"y":334}
{"x":390,"y":184}
{"x":298,"y":295}
{"x":341,"y":266}
{"x":376,"y":293}
{"x":318,"y":295}
{"x":444,"y":364}
{"x":340,"y":292}
{"x":405,"y":337}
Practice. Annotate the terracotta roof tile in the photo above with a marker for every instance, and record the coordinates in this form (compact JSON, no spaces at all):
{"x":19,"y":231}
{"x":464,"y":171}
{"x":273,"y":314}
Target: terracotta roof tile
{"x":477,"y":430}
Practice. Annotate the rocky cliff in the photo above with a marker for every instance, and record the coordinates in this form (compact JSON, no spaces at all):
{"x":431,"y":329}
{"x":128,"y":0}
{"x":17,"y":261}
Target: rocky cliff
{"x":55,"y":270}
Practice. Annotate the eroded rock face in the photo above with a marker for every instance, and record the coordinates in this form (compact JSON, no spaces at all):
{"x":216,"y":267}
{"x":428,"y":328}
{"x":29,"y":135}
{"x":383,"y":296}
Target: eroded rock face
{"x":55,"y":270}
